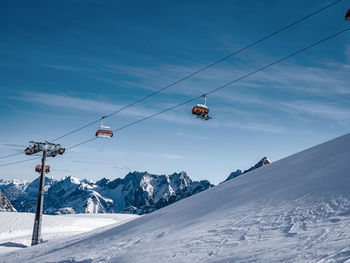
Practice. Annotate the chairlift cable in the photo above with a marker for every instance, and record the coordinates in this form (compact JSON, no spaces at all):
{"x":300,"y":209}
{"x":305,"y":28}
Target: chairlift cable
{"x":210,"y":92}
{"x":205,"y":67}
{"x":238,"y":79}
{"x":22,"y":161}
{"x":10,"y":155}
{"x":225,"y":85}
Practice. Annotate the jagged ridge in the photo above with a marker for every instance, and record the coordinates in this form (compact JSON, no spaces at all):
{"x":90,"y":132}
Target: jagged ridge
{"x":138,"y":192}
{"x":264,"y":161}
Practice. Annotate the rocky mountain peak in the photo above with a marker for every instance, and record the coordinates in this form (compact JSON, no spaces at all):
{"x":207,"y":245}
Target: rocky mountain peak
{"x":5,"y":204}
{"x":264,"y":161}
{"x":103,"y":182}
{"x":71,"y":179}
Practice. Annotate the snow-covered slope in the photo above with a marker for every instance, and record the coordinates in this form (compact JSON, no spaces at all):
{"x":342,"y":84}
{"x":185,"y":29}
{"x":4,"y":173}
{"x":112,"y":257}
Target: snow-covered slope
{"x":293,"y":210}
{"x":16,"y":228}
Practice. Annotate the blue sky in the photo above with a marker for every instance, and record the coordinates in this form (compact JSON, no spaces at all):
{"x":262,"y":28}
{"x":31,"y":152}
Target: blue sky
{"x":66,"y":63}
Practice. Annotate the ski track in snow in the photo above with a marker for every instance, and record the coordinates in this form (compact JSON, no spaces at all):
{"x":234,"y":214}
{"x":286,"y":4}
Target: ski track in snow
{"x":16,"y":228}
{"x":249,"y":237}
{"x":294,"y":210}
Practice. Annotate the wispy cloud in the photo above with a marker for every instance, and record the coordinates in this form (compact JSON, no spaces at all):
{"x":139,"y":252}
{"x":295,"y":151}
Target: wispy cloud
{"x":13,"y":147}
{"x":68,"y":68}
{"x":79,"y":161}
{"x":305,"y":80}
{"x":160,"y":76}
{"x":347,"y":52}
{"x":171,"y":156}
{"x":101,"y":107}
{"x":256,"y":126}
{"x":245,"y":119}
{"x":77,"y":103}
{"x":7,"y":105}
{"x":332,"y":112}
{"x":195,"y":137}
{"x":253,"y":99}
{"x":289,"y":77}
{"x":112,"y":81}
{"x":124,"y":168}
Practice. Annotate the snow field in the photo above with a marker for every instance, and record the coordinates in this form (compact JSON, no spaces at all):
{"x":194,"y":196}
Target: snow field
{"x":16,"y":228}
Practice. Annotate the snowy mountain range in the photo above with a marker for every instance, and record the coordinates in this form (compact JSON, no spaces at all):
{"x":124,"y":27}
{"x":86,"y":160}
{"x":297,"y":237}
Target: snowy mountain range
{"x":137,"y":193}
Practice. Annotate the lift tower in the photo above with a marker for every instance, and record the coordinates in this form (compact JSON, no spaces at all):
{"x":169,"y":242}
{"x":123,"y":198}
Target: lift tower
{"x":49,"y":150}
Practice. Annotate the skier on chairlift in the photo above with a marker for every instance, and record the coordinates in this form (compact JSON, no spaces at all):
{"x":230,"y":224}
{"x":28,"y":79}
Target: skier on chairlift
{"x":202,"y":110}
{"x":104,"y":131}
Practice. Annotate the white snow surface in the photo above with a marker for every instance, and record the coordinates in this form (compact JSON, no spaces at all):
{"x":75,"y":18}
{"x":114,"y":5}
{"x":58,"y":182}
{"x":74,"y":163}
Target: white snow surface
{"x":293,"y":210}
{"x":16,"y":228}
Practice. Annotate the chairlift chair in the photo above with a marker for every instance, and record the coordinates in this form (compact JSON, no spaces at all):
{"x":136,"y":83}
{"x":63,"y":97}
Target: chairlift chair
{"x":38,"y":168}
{"x":202,"y":110}
{"x":104,"y":131}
